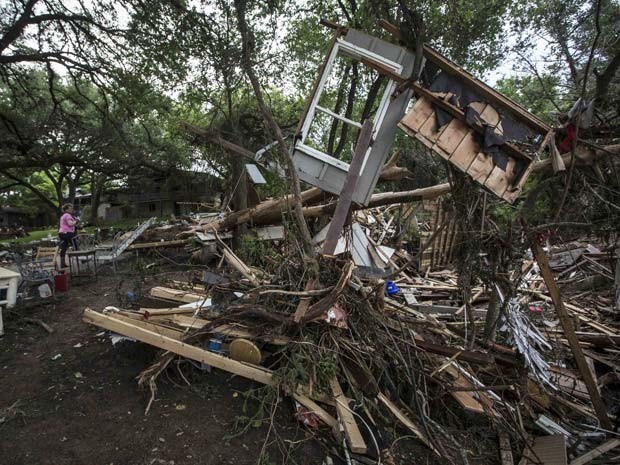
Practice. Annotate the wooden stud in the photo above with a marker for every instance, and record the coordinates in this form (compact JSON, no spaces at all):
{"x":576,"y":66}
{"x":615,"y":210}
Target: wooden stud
{"x":569,"y":331}
{"x":351,"y":430}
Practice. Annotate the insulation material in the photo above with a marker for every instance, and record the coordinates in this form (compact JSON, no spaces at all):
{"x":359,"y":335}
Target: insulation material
{"x":526,"y":339}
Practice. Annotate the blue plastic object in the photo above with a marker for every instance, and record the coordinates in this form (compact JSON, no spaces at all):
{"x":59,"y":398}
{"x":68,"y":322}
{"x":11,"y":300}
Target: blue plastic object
{"x":215,"y":345}
{"x":130,"y":296}
{"x":391,"y":288}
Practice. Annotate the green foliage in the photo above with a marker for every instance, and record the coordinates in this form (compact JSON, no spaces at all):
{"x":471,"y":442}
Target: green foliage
{"x":537,"y":94}
{"x":256,"y":408}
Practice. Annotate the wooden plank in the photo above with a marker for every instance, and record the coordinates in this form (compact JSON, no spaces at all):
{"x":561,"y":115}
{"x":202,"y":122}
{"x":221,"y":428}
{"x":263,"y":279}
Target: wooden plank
{"x":417,"y":116}
{"x":497,"y":181}
{"x":596,"y":452}
{"x":400,"y":416}
{"x":569,"y":331}
{"x":475,"y":401}
{"x":466,"y":152}
{"x":429,"y":129}
{"x":351,"y":430}
{"x":505,"y":451}
{"x":176,"y":295}
{"x":346,"y":195}
{"x":452,"y":135}
{"x":481,"y":167}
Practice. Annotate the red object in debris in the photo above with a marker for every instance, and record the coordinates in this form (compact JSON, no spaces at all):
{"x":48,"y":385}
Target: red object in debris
{"x":567,"y":143}
{"x":535,"y":308}
{"x":61,"y":281}
{"x":306,"y":417}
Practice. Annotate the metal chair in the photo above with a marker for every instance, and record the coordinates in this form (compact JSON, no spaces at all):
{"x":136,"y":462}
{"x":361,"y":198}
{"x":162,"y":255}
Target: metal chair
{"x":82,"y":260}
{"x":34,"y":273}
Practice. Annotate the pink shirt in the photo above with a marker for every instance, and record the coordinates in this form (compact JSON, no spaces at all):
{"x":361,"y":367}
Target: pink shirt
{"x":65,"y":227}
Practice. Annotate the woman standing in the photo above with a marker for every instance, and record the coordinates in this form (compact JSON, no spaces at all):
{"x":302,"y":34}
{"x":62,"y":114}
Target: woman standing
{"x":66,"y":232}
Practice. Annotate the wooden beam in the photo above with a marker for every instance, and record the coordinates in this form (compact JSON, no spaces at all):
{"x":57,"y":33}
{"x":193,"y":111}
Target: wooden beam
{"x":351,"y":430}
{"x":175,"y":295}
{"x":128,"y":329}
{"x":569,"y":331}
{"x":345,"y":199}
{"x":255,"y":373}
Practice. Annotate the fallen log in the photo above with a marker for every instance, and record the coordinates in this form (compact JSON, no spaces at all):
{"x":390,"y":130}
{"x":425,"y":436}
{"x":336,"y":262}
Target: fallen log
{"x":270,"y":211}
{"x":384,"y":198}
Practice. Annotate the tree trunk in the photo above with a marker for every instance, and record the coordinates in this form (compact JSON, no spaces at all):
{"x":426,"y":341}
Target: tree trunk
{"x":95,"y":199}
{"x":239,"y":196}
{"x":247,"y":49}
{"x":270,"y":211}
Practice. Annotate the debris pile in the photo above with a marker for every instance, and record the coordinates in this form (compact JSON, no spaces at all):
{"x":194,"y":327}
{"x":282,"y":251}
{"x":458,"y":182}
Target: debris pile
{"x":371,"y":350}
{"x":388,"y":352}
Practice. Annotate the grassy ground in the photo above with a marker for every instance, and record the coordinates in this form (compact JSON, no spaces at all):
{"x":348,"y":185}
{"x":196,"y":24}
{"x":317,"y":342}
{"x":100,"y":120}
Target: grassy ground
{"x":37,"y":235}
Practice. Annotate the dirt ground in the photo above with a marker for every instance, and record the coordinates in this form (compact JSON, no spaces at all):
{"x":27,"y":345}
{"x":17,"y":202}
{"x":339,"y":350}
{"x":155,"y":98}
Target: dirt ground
{"x":71,"y":398}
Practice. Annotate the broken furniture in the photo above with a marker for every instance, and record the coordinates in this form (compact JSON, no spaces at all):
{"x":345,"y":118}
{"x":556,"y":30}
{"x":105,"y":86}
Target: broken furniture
{"x":478,"y":130}
{"x":9,"y":281}
{"x":35,"y":274}
{"x":83,"y":264}
{"x":47,"y":257}
{"x":121,"y":242}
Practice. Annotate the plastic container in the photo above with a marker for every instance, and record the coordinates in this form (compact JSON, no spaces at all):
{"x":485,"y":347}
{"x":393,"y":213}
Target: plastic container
{"x":61,"y":281}
{"x":391,"y":288}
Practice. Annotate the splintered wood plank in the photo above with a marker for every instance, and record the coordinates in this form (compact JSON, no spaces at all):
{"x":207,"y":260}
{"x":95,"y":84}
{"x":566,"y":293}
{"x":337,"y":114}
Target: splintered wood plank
{"x":481,"y":167}
{"x":351,"y":430}
{"x":465,"y":153}
{"x":417,"y":116}
{"x":452,"y":135}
